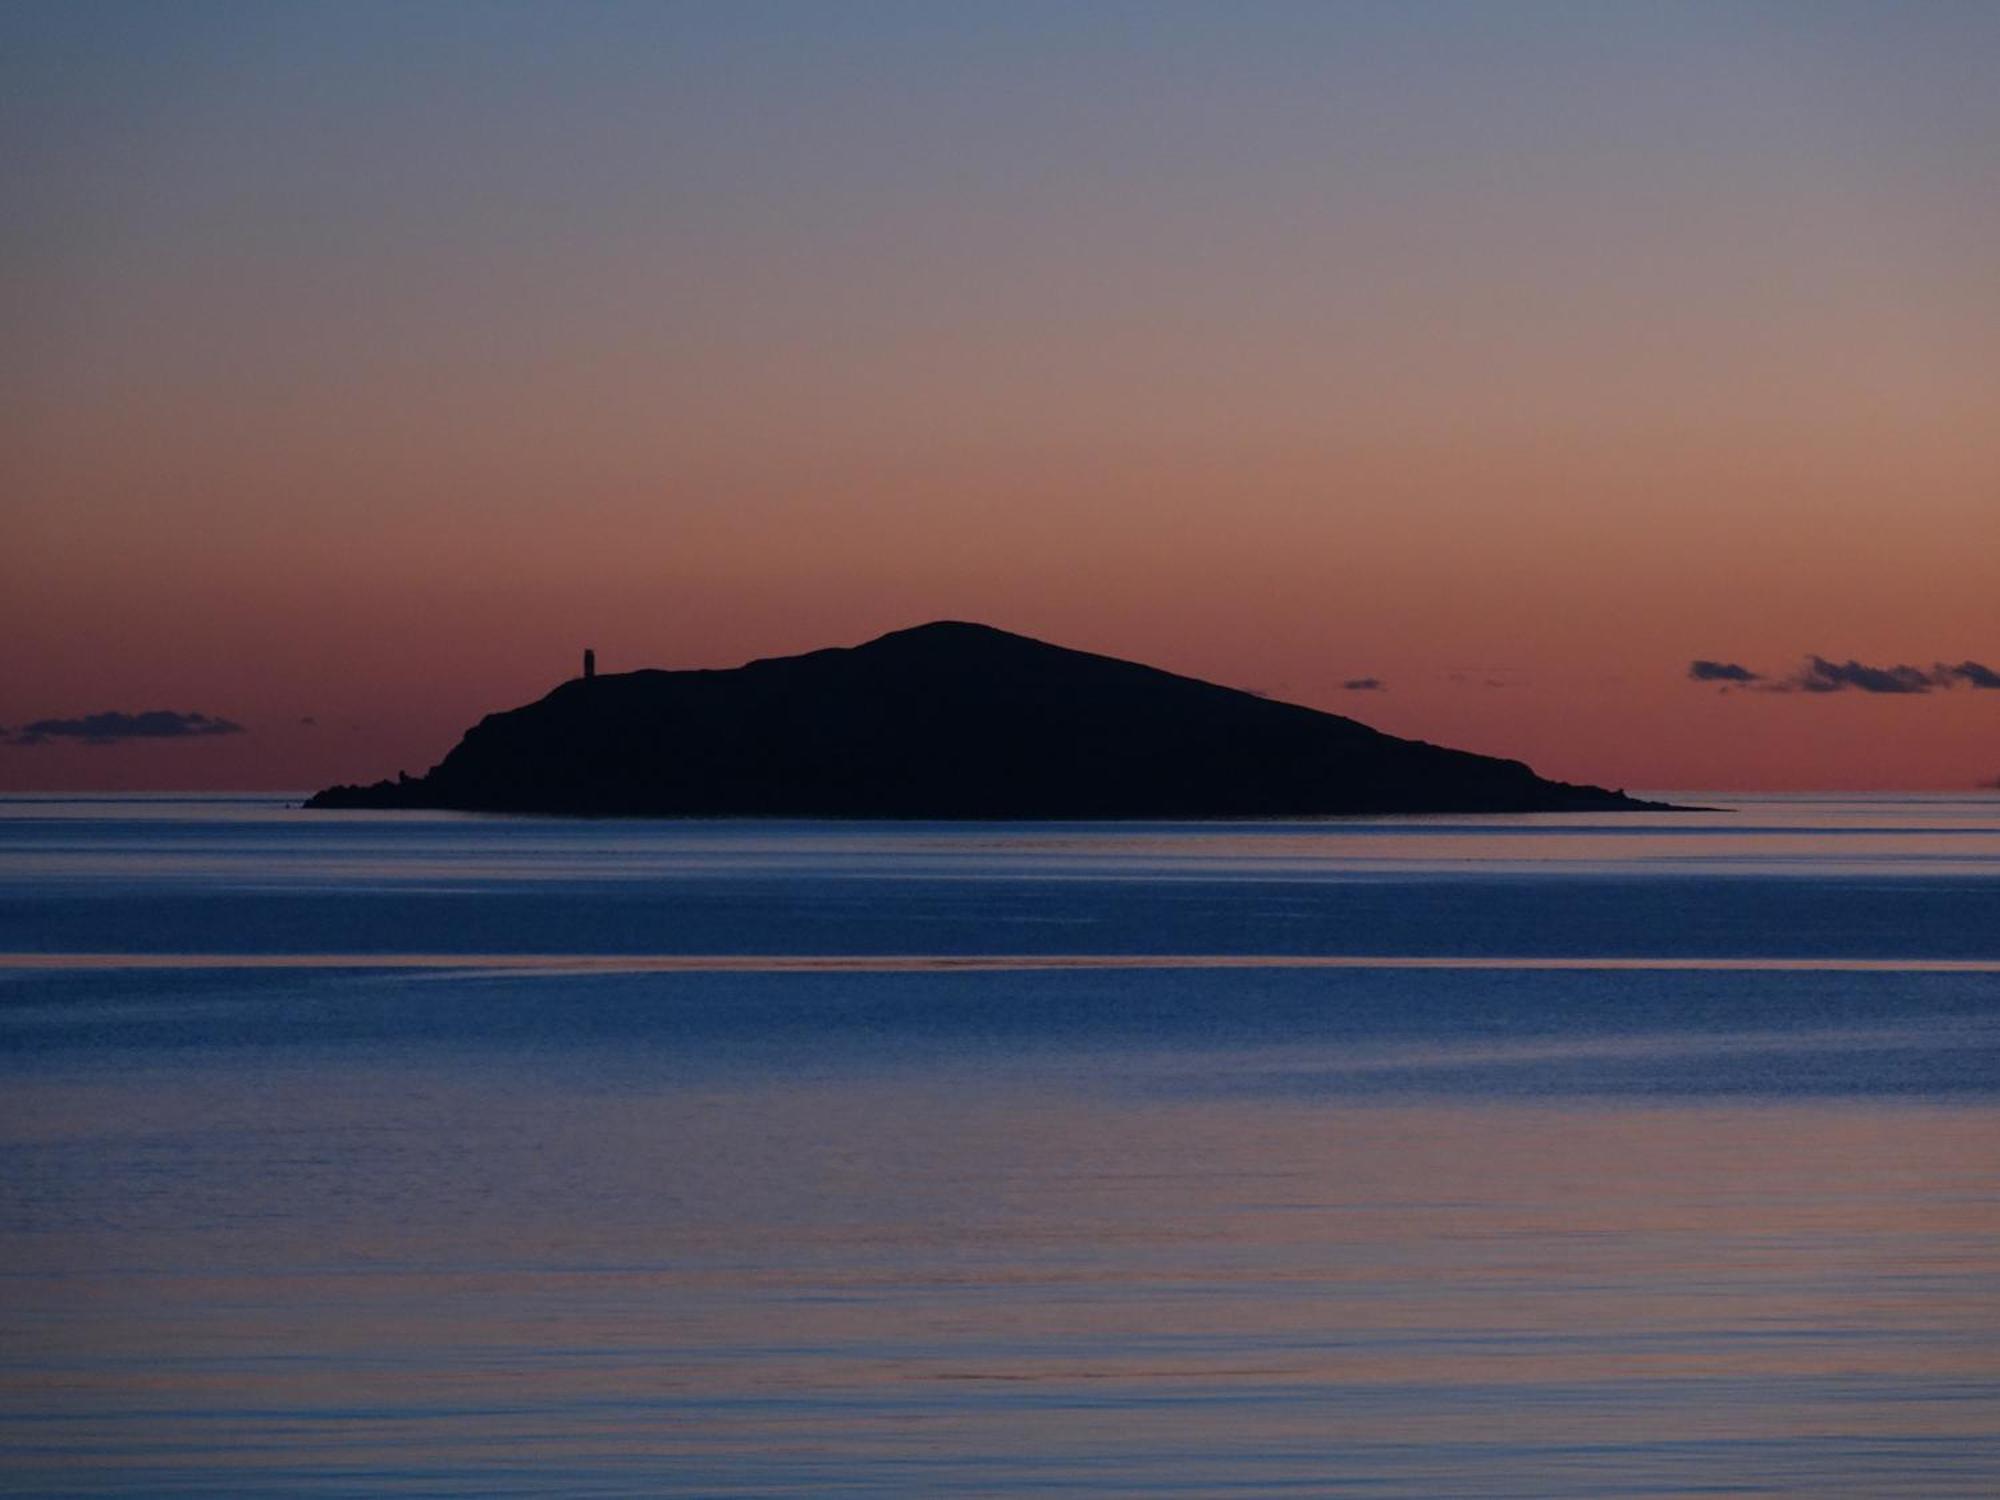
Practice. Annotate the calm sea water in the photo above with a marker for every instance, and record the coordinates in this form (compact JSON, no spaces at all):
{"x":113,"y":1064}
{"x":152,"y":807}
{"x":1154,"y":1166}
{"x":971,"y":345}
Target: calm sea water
{"x":1548,"y":1156}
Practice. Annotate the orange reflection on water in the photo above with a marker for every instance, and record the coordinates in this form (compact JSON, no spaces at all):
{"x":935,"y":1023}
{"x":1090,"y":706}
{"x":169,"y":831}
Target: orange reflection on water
{"x":454,"y":1270}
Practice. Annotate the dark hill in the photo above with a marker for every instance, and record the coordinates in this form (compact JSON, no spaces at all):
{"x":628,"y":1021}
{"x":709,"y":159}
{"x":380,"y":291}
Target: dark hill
{"x":949,"y":720}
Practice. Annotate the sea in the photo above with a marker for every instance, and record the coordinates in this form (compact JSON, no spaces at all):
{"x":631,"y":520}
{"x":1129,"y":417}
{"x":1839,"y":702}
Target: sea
{"x":385,"y":1154}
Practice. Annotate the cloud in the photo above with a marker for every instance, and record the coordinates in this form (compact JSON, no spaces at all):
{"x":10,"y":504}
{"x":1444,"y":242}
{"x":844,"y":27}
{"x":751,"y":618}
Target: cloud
{"x":113,"y":727}
{"x":1721,"y":671}
{"x":1489,"y":677}
{"x":1967,"y":671}
{"x":1365,"y":685}
{"x":1819,"y":675}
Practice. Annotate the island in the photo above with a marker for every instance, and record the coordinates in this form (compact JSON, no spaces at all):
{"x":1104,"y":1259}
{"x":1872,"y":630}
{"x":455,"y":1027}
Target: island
{"x":950,"y":720}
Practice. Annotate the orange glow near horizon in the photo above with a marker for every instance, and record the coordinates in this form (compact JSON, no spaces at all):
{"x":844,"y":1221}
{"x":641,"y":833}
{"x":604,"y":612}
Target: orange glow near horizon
{"x":1282,"y":376}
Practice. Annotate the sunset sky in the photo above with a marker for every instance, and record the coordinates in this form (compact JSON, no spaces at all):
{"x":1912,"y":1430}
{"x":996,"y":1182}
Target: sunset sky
{"x":362,"y":364}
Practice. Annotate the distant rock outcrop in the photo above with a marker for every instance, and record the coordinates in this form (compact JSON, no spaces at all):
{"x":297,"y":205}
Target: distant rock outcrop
{"x":950,"y":720}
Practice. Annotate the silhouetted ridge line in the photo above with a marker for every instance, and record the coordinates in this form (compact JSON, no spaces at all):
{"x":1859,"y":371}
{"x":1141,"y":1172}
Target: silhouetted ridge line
{"x":949,"y":720}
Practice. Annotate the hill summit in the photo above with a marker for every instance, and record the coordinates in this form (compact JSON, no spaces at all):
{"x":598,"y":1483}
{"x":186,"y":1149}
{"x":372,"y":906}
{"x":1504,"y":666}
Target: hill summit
{"x":949,"y":720}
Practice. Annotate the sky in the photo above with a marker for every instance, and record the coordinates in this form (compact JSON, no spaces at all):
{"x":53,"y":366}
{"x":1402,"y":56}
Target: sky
{"x":360,"y":364}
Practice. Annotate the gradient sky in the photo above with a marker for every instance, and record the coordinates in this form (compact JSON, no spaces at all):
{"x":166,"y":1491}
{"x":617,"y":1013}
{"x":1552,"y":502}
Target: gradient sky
{"x":363,"y":363}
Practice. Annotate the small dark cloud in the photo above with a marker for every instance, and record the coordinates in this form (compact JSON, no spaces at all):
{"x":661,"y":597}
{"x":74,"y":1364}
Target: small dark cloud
{"x":115,"y":727}
{"x":1819,"y":675}
{"x":1721,"y":671}
{"x":1968,"y":671}
{"x":1365,"y":685}
{"x":1488,"y":677}
{"x":308,"y":722}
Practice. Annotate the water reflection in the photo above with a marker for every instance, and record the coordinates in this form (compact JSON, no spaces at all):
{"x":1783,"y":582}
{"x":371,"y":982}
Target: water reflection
{"x":474,"y":1278}
{"x":269,"y":843}
{"x":1538,"y":1157}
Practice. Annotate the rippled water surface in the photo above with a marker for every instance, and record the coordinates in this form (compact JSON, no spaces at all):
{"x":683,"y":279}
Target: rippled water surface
{"x":376,"y":1154}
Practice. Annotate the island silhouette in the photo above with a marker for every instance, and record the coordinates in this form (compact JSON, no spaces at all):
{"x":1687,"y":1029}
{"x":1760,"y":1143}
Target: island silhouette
{"x":949,"y":720}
